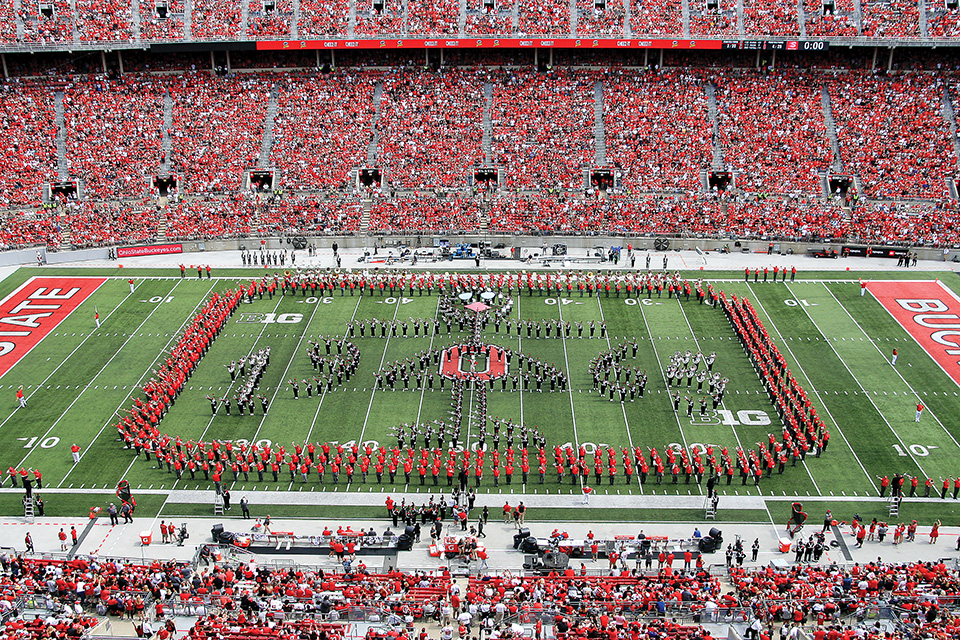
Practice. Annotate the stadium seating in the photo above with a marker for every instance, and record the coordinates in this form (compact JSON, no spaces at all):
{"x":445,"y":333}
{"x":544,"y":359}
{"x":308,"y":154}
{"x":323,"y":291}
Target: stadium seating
{"x":104,"y":20}
{"x":324,"y":17}
{"x":29,"y":148}
{"x":110,"y":21}
{"x":841,"y":22}
{"x":892,"y":134}
{"x":217,"y":129}
{"x":430,"y":127}
{"x":423,"y":215}
{"x":311,"y":215}
{"x":104,"y":224}
{"x":338,"y":110}
{"x":216,"y":19}
{"x":543,"y":127}
{"x":773,"y":133}
{"x":113,"y":134}
{"x":657,"y":129}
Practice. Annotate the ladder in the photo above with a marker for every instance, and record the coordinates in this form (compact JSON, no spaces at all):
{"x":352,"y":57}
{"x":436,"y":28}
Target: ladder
{"x":895,"y":506}
{"x":28,"y":509}
{"x":217,"y":504}
{"x":710,"y":509}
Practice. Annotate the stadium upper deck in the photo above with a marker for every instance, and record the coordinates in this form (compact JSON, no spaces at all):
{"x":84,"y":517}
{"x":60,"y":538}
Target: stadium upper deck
{"x":90,"y":23}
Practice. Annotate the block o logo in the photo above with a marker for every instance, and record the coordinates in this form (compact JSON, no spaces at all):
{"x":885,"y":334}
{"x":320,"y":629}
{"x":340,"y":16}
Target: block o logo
{"x":467,"y":362}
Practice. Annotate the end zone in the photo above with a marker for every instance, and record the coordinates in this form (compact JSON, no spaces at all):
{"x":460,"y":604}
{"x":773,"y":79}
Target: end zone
{"x":929,"y":312}
{"x":35,"y":309}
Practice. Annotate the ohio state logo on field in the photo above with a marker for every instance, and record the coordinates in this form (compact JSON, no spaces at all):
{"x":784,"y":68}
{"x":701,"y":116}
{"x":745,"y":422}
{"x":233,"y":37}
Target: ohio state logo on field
{"x":468,"y":362}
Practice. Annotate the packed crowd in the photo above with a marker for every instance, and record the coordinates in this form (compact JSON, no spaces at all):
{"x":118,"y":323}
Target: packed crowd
{"x":323,"y":17}
{"x":889,"y":19}
{"x":112,"y":20}
{"x":607,"y":19}
{"x":322,"y":128}
{"x":649,"y":17}
{"x":657,"y":129}
{"x":770,"y":16}
{"x":310,"y":215}
{"x":217,"y":130}
{"x":431,"y":127}
{"x":840,"y":22}
{"x":892,"y":134}
{"x":209,"y":218}
{"x":216,"y":19}
{"x":113,"y":134}
{"x":424,"y":215}
{"x":106,"y":224}
{"x":104,"y":20}
{"x":543,"y":127}
{"x":169,"y":27}
{"x":486,"y":19}
{"x":29,"y":148}
{"x":772,"y":131}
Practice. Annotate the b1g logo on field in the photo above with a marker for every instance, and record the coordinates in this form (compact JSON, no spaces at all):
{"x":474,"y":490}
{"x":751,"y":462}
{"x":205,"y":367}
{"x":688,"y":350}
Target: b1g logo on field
{"x":731,"y":419}
{"x":270,"y":318}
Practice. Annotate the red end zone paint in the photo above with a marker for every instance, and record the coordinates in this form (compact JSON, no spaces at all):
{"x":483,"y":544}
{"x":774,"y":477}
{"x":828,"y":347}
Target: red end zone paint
{"x":35,"y":309}
{"x":930,"y":313}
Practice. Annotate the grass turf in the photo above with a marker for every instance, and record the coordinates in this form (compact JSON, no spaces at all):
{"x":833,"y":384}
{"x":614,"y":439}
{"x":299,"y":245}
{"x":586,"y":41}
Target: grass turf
{"x":836,"y":342}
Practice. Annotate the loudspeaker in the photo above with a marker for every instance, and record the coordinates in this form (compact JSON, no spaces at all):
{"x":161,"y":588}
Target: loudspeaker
{"x":523,"y":533}
{"x":707,"y":545}
{"x":405,"y":543}
{"x":529,"y":545}
{"x":716,"y":535}
{"x":215,"y":532}
{"x":410,"y":531}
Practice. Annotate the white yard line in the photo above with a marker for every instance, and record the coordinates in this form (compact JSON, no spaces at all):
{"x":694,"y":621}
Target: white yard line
{"x":519,"y":351}
{"x":88,"y":386}
{"x":810,"y":384}
{"x":373,"y":392}
{"x":423,"y":389}
{"x":566,"y":361}
{"x":697,"y":342}
{"x":676,"y":414}
{"x":884,"y":357}
{"x":324,"y":394}
{"x":135,"y":387}
{"x":623,"y":407}
{"x":859,"y":384}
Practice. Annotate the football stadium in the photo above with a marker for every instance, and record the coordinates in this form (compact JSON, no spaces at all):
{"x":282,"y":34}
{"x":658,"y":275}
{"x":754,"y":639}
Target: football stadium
{"x":544,"y":319}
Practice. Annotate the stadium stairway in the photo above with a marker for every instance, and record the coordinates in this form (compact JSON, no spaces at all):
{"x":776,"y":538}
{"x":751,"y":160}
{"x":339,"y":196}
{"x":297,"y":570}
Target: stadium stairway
{"x":295,"y":20}
{"x":599,"y":134}
{"x":62,"y":170}
{"x":19,"y":20}
{"x":244,"y":17}
{"x":831,"y":124}
{"x":924,"y":30}
{"x":802,"y":19}
{"x":135,"y":19}
{"x":167,"y":142}
{"x":75,"y":32}
{"x":685,"y":17}
{"x":269,"y":123}
{"x":740,"y":28}
{"x":365,"y":206}
{"x":717,"y":162}
{"x":351,"y":18}
{"x":574,"y":18}
{"x":627,"y":29}
{"x":462,"y":19}
{"x":187,"y":18}
{"x":950,"y":115}
{"x":486,"y":143}
{"x":515,"y":18}
{"x":374,"y":126}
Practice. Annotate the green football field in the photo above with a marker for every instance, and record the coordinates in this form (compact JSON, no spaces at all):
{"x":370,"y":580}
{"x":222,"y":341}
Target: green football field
{"x":837,"y":343}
